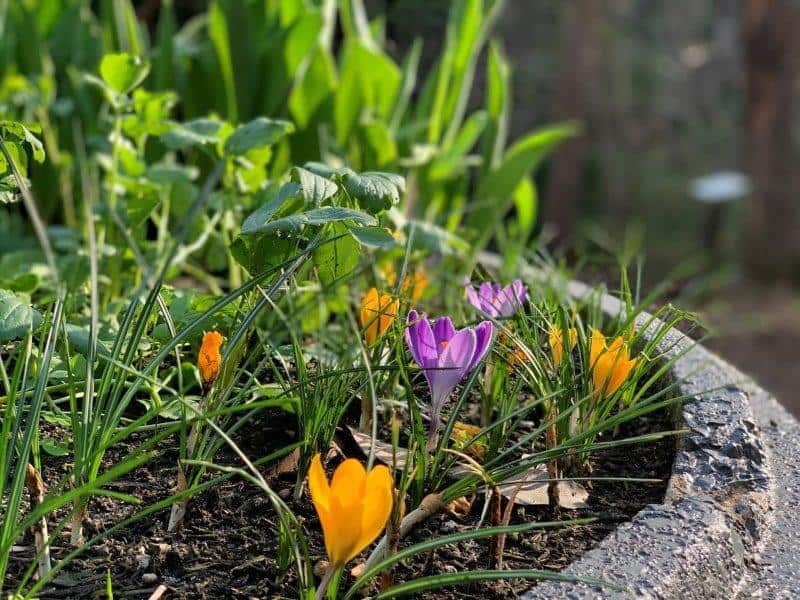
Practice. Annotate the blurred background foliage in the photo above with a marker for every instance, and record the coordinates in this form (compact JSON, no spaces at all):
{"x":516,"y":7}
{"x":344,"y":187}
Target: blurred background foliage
{"x":664,"y":93}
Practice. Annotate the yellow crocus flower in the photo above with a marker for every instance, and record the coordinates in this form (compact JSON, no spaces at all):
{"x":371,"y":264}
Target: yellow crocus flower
{"x":209,"y":358}
{"x":414,"y":285}
{"x":610,"y":364}
{"x":376,"y":314}
{"x":556,"y":339}
{"x":353,"y":509}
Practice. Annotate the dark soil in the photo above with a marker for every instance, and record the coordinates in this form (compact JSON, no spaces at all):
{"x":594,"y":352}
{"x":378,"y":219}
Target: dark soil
{"x":228,"y":544}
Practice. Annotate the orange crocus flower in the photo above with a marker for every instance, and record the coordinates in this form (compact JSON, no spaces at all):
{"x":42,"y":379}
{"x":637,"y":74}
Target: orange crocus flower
{"x":353,"y":509}
{"x":610,"y":364}
{"x":209,"y":358}
{"x":556,"y":340}
{"x":414,"y":285}
{"x":376,"y":315}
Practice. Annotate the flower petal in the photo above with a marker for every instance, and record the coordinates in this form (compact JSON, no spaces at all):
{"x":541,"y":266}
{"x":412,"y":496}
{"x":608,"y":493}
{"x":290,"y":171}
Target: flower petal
{"x":377,"y":506}
{"x":453,"y":364}
{"x":347,"y":485}
{"x":597,"y":345}
{"x":443,"y":331}
{"x":421,"y":341}
{"x":483,"y":338}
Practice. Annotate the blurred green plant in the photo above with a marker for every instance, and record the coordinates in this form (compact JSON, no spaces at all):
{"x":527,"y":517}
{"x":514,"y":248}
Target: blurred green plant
{"x":352,"y":104}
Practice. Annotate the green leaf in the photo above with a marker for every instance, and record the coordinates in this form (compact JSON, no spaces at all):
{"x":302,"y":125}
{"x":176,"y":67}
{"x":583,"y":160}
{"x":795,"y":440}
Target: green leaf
{"x":192,"y":133}
{"x":17,"y":316}
{"x":288,"y":196}
{"x":219,"y":35}
{"x":374,"y":237}
{"x":374,"y":190}
{"x":15,"y":131}
{"x":527,"y":205}
{"x":369,"y":83}
{"x":338,"y":258}
{"x":257,"y":253}
{"x":314,"y":188}
{"x":123,"y":72}
{"x":258,"y":133}
{"x":380,"y":149}
{"x":498,"y":106}
{"x":494,"y":194}
{"x":522,"y":158}
{"x":452,"y":161}
{"x":318,"y":216}
{"x":78,"y":337}
{"x":313,"y":88}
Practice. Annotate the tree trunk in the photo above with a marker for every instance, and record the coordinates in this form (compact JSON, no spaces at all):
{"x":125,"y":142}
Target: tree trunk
{"x":772,"y":238}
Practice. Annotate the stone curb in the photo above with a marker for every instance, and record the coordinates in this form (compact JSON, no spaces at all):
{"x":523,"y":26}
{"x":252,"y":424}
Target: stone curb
{"x":705,"y":539}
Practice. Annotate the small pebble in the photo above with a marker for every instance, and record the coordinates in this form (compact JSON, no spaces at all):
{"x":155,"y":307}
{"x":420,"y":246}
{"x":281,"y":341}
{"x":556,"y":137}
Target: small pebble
{"x":450,"y":526}
{"x":285,"y":493}
{"x":149,"y":578}
{"x":142,"y":561}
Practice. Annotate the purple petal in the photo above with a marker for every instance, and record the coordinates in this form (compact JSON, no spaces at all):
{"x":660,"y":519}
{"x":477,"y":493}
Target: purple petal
{"x":443,"y":331}
{"x":473,"y":298}
{"x":420,"y":340}
{"x":483,"y":338}
{"x":520,"y":291}
{"x":453,"y":365}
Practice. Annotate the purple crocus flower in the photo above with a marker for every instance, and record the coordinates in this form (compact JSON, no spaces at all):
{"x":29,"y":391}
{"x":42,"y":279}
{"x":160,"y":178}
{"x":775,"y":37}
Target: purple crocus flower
{"x":446,"y":355}
{"x":497,"y":301}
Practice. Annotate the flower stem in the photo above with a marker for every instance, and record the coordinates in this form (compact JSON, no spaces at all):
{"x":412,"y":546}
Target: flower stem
{"x":326,"y":579}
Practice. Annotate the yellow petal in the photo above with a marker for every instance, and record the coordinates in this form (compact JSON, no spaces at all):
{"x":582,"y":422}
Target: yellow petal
{"x":343,"y":532}
{"x":556,"y":341}
{"x":347,"y":485}
{"x":318,"y":485}
{"x":377,"y":507}
{"x":573,"y":337}
{"x":597,"y":345}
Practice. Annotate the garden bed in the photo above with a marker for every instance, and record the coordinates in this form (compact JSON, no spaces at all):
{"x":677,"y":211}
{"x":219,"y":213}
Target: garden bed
{"x":227,"y":545}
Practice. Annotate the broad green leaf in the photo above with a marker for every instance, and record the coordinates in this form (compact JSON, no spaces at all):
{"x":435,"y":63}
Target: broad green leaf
{"x":11,"y":131}
{"x":452,"y":161}
{"x":498,"y":106}
{"x":375,"y":191}
{"x":369,"y":84}
{"x":287,"y":198}
{"x":310,"y":92}
{"x":521,"y":159}
{"x":318,"y":216}
{"x":17,"y":316}
{"x":78,"y":337}
{"x":374,"y":237}
{"x":258,"y":133}
{"x":192,"y":133}
{"x":257,"y":253}
{"x":338,"y":258}
{"x":301,"y":39}
{"x":314,"y":188}
{"x":527,"y":205}
{"x":494,"y":195}
{"x":123,"y":72}
{"x":380,"y":149}
{"x":219,"y":34}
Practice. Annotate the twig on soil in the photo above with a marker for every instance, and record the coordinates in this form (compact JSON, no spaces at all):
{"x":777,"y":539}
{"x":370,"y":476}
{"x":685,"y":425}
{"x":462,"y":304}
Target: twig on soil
{"x":35,"y":485}
{"x":431,"y":505}
{"x":159,"y":591}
